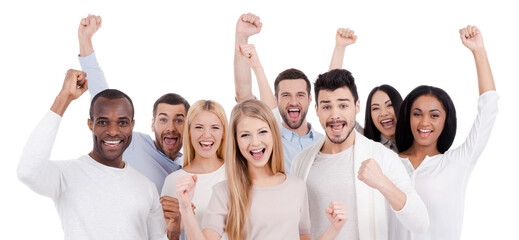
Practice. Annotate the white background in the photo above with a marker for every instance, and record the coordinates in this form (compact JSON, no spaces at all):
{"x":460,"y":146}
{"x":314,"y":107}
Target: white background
{"x":151,"y":48}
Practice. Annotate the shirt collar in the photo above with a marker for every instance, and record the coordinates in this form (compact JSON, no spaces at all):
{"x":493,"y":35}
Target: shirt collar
{"x":289,"y":134}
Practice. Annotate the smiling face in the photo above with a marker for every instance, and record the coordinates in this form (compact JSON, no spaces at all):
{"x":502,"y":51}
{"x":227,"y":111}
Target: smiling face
{"x":168,"y":126}
{"x":255,"y":142}
{"x":336,"y":111}
{"x":293,"y":101}
{"x":206,"y":132}
{"x":383,"y":114}
{"x":111,"y":127}
{"x":427,"y":120}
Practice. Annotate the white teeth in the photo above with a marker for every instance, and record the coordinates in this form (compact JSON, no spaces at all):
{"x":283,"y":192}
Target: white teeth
{"x":206,"y":143}
{"x":257,"y":151}
{"x":424,"y":130}
{"x":112,"y":142}
{"x":293,"y":110}
{"x":385,"y":121}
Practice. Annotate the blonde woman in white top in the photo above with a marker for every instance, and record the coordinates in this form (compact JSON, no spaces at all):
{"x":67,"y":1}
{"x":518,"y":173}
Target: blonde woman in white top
{"x":204,"y":142}
{"x":425,"y":131}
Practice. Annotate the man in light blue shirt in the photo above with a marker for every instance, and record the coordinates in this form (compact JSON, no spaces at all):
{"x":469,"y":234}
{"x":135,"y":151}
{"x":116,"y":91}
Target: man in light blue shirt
{"x":291,"y":97}
{"x":155,"y":159}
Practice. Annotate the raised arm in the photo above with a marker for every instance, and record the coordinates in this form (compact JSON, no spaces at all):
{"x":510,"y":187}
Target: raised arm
{"x":249,"y":55}
{"x":472,"y":39}
{"x":343,"y":38}
{"x":87,"y":58}
{"x":185,"y":188}
{"x":247,"y":25}
{"x":35,"y":169}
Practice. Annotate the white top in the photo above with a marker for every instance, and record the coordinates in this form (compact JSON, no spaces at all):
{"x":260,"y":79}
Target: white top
{"x":94,"y":201}
{"x":322,"y":190}
{"x":441,"y":180}
{"x":203,"y":190}
{"x":276,"y":212}
{"x":372,"y":207}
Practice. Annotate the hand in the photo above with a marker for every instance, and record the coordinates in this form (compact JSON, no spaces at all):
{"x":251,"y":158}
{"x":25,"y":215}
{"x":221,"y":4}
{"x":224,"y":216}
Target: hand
{"x":248,"y":25}
{"x":345,"y":37}
{"x":88,"y":26}
{"x":248,"y":52}
{"x":471,"y":38}
{"x":173,"y":228}
{"x":75,"y":84}
{"x":337,"y":214}
{"x":170,"y":207}
{"x":185,"y":187}
{"x":371,"y":174}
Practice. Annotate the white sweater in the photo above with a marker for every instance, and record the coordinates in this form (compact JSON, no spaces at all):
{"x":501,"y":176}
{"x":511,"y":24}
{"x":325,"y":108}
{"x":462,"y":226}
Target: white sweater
{"x":94,"y":201}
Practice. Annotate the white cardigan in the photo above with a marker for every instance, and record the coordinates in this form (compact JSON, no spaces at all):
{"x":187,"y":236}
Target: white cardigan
{"x":372,"y":207}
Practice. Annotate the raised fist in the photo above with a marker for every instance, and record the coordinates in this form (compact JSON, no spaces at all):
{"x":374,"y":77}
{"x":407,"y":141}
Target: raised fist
{"x":345,"y":37}
{"x":371,"y":174}
{"x":185,"y":188}
{"x":337,"y":214}
{"x":75,"y":84}
{"x":471,"y":38}
{"x":248,"y":52}
{"x":88,"y":26}
{"x":248,"y":25}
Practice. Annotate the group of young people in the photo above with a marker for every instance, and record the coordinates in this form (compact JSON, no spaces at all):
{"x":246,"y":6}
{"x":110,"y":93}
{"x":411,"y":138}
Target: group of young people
{"x":266,"y":173}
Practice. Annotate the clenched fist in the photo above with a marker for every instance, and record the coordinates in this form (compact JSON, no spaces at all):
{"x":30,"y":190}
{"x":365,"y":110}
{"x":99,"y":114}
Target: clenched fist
{"x":345,"y":37}
{"x":371,"y":174}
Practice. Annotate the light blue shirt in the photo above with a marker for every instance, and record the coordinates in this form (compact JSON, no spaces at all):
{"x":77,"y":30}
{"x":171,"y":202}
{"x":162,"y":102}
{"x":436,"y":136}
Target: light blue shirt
{"x":293,"y":143}
{"x":142,"y":154}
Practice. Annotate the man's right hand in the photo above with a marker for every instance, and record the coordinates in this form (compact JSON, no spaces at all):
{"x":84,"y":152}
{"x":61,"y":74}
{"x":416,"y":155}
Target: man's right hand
{"x":74,"y":86}
{"x":87,"y":28}
{"x":247,"y":25}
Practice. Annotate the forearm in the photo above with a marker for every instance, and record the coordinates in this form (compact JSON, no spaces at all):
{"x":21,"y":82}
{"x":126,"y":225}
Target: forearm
{"x":85,"y":47}
{"x":95,"y":75}
{"x":329,"y":233}
{"x":485,"y":78}
{"x":337,"y":57}
{"x":242,"y":73}
{"x":266,"y":94}
{"x":191,"y":227}
{"x":392,"y":194}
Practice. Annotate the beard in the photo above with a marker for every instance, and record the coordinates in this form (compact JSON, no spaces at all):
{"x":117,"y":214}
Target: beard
{"x":348,"y":129}
{"x":294,"y":125}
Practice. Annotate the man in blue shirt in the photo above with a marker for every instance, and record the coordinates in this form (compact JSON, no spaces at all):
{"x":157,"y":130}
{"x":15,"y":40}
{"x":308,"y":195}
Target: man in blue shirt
{"x":291,"y":97}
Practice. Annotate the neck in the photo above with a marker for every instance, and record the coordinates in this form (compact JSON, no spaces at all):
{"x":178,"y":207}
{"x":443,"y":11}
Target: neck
{"x":261,"y":176}
{"x":201,"y":165}
{"x":301,"y":131}
{"x":171,"y":156}
{"x":116,"y":163}
{"x":331,"y":148}
{"x":389,"y":137}
{"x":417,"y":153}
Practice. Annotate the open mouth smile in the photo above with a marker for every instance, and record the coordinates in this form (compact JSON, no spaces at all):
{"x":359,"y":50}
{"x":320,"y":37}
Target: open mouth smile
{"x":257,"y":154}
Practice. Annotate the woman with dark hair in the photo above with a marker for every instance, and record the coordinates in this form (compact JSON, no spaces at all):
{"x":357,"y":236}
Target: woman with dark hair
{"x":383,"y":101}
{"x":380,"y":119}
{"x":424,"y":134}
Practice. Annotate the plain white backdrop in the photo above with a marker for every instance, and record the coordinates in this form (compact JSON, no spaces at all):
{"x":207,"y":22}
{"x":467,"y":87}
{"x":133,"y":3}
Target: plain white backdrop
{"x":150,"y":48}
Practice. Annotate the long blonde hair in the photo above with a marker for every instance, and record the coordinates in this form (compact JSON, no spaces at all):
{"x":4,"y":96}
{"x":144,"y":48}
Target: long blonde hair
{"x":238,"y":178}
{"x":195,"y":109}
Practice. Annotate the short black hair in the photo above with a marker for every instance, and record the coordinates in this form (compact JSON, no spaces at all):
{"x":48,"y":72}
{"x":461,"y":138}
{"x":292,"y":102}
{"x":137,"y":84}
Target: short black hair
{"x":292,"y":74}
{"x":110,"y":94}
{"x":171,"y":99}
{"x":370,"y":130}
{"x":404,"y":136}
{"x":334,"y":80}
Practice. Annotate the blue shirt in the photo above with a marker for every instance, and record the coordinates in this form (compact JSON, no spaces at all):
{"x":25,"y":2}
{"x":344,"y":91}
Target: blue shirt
{"x":142,"y":153}
{"x":293,"y":143}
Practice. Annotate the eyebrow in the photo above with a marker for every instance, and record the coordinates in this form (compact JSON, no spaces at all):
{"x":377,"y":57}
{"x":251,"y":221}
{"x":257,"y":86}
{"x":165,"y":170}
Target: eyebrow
{"x":432,"y":110}
{"x":338,"y":100}
{"x":176,"y":115}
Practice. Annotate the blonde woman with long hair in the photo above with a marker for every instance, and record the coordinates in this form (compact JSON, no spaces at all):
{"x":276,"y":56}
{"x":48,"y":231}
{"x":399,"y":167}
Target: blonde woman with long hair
{"x":204,"y":149}
{"x":258,"y":200}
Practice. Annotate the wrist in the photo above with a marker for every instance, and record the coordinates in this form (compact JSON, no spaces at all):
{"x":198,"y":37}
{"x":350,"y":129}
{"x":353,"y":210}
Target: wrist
{"x":241,"y":39}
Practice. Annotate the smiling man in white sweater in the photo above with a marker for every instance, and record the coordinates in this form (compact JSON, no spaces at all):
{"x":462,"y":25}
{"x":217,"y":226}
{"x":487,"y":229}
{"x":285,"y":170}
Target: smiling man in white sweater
{"x":98,"y":196}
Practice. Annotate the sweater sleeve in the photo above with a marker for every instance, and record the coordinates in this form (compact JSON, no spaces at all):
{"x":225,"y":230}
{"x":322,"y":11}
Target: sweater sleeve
{"x":156,"y":224}
{"x":95,"y":75}
{"x":35,"y":169}
{"x":413,"y":215}
{"x":479,"y":134}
